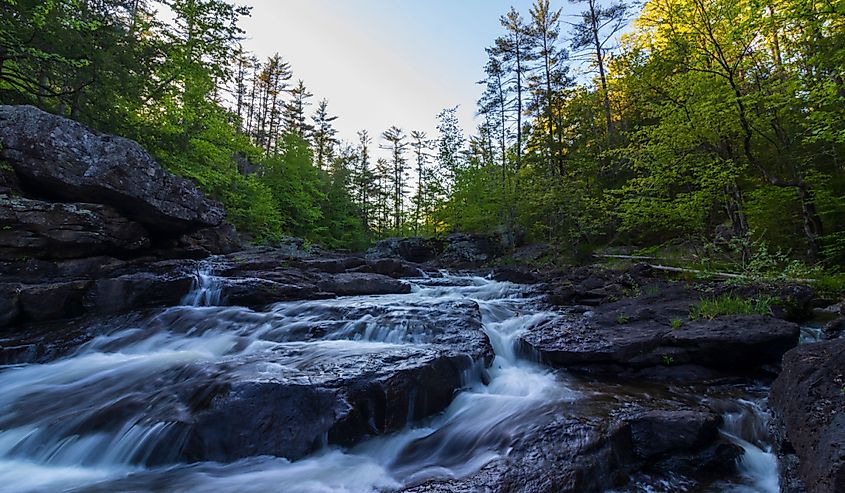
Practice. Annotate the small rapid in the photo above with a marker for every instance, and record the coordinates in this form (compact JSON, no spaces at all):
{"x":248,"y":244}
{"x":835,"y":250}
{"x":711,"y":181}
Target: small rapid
{"x":109,"y":416}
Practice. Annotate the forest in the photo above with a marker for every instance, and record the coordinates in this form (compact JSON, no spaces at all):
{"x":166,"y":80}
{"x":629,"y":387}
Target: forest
{"x":711,"y":125}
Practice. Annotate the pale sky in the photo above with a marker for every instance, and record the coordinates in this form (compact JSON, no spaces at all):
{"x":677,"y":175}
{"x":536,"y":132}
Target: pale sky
{"x":384,"y":62}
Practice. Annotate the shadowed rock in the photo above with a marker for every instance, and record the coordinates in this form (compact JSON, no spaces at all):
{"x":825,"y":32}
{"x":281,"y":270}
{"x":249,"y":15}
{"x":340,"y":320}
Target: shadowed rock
{"x":592,"y":455}
{"x":733,"y":343}
{"x":36,"y":229}
{"x":58,"y":157}
{"x":808,"y":400}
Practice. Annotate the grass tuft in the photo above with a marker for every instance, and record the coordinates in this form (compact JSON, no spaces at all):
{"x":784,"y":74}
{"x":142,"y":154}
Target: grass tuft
{"x":731,"y":305}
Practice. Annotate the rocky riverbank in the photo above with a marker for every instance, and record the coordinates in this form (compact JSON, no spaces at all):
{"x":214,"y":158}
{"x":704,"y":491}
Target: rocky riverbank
{"x":119,"y":272}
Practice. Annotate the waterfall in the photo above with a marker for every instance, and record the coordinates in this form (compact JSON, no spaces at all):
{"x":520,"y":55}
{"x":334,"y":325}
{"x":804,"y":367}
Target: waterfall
{"x":206,"y":288}
{"x":747,"y":425}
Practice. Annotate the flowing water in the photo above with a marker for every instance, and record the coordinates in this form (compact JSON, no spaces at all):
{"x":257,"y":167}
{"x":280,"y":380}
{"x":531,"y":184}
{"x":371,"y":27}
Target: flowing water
{"x":104,"y":417}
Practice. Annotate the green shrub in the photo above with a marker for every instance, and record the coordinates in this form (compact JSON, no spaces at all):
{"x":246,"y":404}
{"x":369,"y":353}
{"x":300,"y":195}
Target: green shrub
{"x":731,"y":305}
{"x":677,"y":324}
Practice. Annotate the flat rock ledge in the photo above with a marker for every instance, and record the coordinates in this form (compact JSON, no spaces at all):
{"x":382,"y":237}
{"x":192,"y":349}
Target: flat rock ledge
{"x":729,"y":344}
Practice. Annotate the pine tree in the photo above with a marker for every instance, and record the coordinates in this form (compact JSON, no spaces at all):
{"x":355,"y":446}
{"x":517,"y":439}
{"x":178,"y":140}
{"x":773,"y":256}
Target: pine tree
{"x":593,"y":37}
{"x":295,"y":120}
{"x":363,"y":179}
{"x":550,"y":79}
{"x":397,"y":146}
{"x":324,"y":134}
{"x":421,"y":145}
{"x":516,"y":52}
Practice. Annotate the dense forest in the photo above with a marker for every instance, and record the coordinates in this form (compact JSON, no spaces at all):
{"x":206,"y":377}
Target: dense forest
{"x":713,"y":123}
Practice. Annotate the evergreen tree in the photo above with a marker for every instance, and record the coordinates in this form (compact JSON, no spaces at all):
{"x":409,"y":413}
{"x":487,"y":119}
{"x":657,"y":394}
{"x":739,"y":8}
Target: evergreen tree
{"x":421,"y":146}
{"x":593,"y":38}
{"x":324,"y":134}
{"x":295,"y":120}
{"x":398,"y":146}
{"x":516,"y":50}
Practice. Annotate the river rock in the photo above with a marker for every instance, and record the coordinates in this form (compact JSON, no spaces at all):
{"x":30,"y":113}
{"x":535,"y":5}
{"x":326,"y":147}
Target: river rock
{"x":137,"y":290}
{"x":255,"y":292}
{"x":808,"y":402}
{"x":415,"y":249}
{"x":359,"y":284}
{"x":9,"y":303}
{"x":470,"y":249}
{"x":732,"y":343}
{"x":594,"y":455}
{"x":37,"y":229}
{"x":517,"y":275}
{"x":54,"y":300}
{"x":591,"y":286}
{"x":335,"y":392}
{"x":58,"y":157}
{"x":218,"y":240}
{"x":834,"y":329}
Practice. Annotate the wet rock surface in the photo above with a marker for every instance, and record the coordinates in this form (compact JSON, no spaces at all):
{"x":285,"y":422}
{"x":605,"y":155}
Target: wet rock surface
{"x":323,"y":393}
{"x":455,"y":250}
{"x":808,"y":402}
{"x":588,"y":454}
{"x":285,"y":383}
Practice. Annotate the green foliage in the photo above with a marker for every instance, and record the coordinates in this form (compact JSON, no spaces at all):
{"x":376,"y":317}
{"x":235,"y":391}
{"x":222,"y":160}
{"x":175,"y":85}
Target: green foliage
{"x":622,"y":319}
{"x":731,"y":305}
{"x":116,"y":66}
{"x":724,"y":129}
{"x":676,"y":323}
{"x":667,"y":360}
{"x":830,"y":285}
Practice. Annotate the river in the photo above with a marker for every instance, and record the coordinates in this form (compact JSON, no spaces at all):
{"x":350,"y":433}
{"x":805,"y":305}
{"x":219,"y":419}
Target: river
{"x":101,"y":418}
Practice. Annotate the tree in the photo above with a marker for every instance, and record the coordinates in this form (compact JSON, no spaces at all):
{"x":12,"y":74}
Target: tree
{"x":397,"y":145}
{"x":450,"y":142}
{"x":551,"y":78}
{"x":364,"y":178}
{"x":295,"y":120}
{"x":516,"y":51}
{"x":272,"y":83}
{"x":421,"y":145}
{"x":324,"y":134}
{"x":592,"y":37}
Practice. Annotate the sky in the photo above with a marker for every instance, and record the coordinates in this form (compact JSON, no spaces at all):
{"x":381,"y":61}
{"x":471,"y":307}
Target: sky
{"x":384,"y":62}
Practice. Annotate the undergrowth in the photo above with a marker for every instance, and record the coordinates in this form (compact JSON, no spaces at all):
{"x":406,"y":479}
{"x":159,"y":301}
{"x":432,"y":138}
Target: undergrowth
{"x":731,"y":305}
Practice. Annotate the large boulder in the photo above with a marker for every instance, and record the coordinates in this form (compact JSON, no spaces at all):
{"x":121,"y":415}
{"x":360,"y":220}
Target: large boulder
{"x":415,"y":249}
{"x":464,"y":249}
{"x":61,"y":158}
{"x":323,"y":391}
{"x":808,"y":402}
{"x":36,"y":229}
